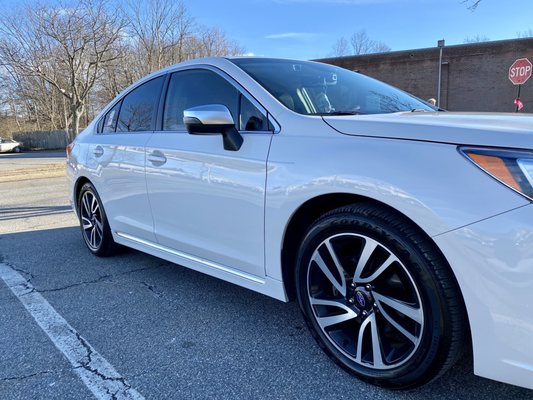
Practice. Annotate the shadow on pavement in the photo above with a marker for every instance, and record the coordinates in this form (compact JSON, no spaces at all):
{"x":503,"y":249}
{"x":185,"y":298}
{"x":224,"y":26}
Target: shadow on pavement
{"x":11,"y":213}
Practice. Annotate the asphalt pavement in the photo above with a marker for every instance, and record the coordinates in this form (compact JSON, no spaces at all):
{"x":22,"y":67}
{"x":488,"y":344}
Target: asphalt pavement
{"x":167,"y":331}
{"x":16,"y":167}
{"x":32,"y":159}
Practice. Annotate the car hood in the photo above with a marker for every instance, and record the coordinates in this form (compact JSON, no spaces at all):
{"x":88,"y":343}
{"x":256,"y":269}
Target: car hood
{"x":480,"y":129}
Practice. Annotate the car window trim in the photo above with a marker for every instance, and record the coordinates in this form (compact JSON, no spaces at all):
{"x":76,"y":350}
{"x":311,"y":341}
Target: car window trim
{"x":162,"y":100}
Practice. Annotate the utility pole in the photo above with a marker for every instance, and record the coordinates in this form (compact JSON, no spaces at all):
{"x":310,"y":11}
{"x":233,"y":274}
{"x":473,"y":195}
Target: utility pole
{"x":440,"y":45}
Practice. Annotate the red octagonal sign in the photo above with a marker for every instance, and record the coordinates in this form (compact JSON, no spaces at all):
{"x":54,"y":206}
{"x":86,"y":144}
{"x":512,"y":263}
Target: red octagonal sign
{"x":520,"y":71}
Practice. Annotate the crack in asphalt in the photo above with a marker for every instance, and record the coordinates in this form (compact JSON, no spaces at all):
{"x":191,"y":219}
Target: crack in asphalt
{"x":22,"y":271}
{"x":87,"y":364}
{"x":27,"y":284}
{"x":23,"y":377}
{"x":77,"y":284}
{"x":97,"y":280}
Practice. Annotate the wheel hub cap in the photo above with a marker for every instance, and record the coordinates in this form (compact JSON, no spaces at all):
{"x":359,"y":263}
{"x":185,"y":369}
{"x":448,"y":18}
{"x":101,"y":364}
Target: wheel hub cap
{"x":363,"y":299}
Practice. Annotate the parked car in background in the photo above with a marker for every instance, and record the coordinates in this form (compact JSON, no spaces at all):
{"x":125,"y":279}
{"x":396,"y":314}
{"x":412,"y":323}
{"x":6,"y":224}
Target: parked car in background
{"x":405,"y":233}
{"x":9,"y":145}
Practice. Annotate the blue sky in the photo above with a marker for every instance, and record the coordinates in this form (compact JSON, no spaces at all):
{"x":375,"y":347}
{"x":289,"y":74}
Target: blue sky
{"x":307,"y":29}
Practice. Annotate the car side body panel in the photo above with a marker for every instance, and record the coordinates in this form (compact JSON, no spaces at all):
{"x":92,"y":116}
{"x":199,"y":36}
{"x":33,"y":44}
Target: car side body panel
{"x":198,"y":192}
{"x":116,"y":167}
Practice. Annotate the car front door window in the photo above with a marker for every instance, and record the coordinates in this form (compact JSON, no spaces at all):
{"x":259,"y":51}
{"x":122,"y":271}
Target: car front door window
{"x":198,"y":87}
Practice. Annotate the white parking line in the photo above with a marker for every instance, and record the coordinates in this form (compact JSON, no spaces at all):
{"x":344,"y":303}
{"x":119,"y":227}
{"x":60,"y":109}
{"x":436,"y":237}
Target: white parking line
{"x":93,"y":369}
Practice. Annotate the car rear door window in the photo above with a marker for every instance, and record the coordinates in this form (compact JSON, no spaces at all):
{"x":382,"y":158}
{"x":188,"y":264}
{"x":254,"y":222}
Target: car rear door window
{"x":139,"y":107}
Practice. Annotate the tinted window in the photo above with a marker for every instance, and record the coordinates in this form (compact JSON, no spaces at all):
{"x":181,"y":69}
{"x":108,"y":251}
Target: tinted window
{"x":110,"y":119}
{"x":139,"y":107}
{"x":250,"y":118}
{"x":318,"y":89}
{"x":195,"y":88}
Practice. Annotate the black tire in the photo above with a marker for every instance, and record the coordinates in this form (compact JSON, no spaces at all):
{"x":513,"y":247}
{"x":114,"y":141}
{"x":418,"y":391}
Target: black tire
{"x":404,"y":293}
{"x":93,"y":223}
{"x":16,"y":150}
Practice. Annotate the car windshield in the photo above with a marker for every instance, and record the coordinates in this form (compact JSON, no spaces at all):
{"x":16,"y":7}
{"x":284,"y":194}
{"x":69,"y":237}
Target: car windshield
{"x":313,"y":88}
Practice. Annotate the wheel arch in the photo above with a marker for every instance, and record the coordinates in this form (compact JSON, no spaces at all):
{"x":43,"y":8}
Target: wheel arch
{"x":310,"y":211}
{"x":82,"y":180}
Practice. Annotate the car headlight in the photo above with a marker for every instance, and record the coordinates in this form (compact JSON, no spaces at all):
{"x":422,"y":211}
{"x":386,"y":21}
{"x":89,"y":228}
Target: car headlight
{"x":512,"y":168}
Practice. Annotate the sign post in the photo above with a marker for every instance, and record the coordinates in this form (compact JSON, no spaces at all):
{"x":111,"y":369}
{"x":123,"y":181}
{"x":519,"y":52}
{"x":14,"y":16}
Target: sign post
{"x":519,"y":73}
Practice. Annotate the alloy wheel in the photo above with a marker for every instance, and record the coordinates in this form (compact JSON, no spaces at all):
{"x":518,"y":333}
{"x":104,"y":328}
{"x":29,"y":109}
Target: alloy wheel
{"x":92,"y":221}
{"x":365,"y":301}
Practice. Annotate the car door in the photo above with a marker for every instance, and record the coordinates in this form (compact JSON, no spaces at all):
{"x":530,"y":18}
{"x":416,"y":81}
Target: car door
{"x":116,"y":160}
{"x":208,"y":202}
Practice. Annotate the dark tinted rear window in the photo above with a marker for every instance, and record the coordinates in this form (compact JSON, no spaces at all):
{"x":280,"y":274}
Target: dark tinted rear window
{"x":139,"y":107}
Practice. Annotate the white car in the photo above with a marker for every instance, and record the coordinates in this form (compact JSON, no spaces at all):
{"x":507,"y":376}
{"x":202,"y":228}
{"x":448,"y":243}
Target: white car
{"x":9,"y":145}
{"x":405,"y":233}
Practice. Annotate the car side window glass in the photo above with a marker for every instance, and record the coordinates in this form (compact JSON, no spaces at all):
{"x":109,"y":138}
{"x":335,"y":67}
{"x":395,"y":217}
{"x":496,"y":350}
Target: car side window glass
{"x":250,"y":118}
{"x":139,"y":107}
{"x":193,"y":88}
{"x":110,"y":119}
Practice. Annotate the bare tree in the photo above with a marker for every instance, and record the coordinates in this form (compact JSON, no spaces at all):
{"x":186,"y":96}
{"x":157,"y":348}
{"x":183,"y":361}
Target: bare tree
{"x":162,"y":32}
{"x":64,"y":61}
{"x":64,"y":46}
{"x":159,"y":31}
{"x":213,"y":42}
{"x":361,"y":43}
{"x":525,"y":34}
{"x":476,"y":39}
{"x":341,"y":48}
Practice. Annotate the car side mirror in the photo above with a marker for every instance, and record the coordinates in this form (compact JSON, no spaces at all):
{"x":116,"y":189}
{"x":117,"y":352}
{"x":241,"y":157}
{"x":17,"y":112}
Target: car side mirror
{"x":212,"y":119}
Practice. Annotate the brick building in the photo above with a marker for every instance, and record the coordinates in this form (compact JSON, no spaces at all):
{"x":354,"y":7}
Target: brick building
{"x":474,"y":76}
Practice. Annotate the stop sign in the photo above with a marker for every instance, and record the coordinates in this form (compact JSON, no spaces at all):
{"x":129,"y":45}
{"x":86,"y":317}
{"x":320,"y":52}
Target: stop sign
{"x":520,"y":71}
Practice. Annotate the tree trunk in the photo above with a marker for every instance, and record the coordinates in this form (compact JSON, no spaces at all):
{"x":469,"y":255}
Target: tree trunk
{"x":15,"y":112}
{"x":65,"y":115}
{"x":76,"y":111}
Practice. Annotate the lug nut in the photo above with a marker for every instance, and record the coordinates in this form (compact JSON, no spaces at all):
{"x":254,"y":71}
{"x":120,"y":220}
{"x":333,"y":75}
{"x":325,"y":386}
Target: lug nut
{"x":364,"y":313}
{"x":352,"y":284}
{"x":368,"y":286}
{"x":351,"y":301}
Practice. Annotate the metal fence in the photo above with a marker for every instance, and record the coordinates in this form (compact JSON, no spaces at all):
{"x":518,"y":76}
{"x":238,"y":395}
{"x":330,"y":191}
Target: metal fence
{"x":42,"y":140}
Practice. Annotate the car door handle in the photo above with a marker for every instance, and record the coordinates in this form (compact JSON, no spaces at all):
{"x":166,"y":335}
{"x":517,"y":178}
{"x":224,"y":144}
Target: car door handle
{"x":157,"y":158}
{"x":98,"y":151}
